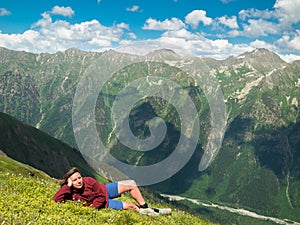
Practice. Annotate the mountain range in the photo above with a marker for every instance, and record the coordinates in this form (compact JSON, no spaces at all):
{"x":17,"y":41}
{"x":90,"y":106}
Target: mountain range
{"x":254,"y":139}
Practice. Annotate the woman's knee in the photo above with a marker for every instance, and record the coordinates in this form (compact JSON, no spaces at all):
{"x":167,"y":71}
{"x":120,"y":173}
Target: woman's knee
{"x":126,"y":185}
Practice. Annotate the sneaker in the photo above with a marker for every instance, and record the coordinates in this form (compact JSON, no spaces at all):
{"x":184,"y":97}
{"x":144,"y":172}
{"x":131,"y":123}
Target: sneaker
{"x":165,"y":211}
{"x":148,"y":211}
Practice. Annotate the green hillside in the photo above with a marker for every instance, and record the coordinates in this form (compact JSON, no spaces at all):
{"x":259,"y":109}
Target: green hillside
{"x":26,"y":198}
{"x":36,"y":148}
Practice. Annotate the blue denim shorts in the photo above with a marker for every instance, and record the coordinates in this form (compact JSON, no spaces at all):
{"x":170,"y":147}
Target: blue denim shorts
{"x":112,"y":191}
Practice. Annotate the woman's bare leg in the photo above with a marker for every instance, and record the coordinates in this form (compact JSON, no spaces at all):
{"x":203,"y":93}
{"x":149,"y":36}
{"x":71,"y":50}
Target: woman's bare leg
{"x":131,"y":187}
{"x":130,"y":205}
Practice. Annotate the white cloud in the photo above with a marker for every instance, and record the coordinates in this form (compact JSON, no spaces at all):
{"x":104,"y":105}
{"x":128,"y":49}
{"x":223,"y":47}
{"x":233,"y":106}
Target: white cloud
{"x":134,"y":8}
{"x":289,"y":57}
{"x":46,"y":19}
{"x":49,"y":36}
{"x":100,"y":42}
{"x":173,"y":24}
{"x":255,"y":13}
{"x":27,"y":41}
{"x":123,"y":26}
{"x":226,"y":1}
{"x":274,"y":48}
{"x":288,"y":10}
{"x":290,"y":42}
{"x":233,"y":33}
{"x":186,"y":43}
{"x":197,"y":16}
{"x":281,"y":23}
{"x":262,"y":44}
{"x":4,"y":12}
{"x":230,"y":22}
{"x":62,"y":11}
{"x":131,"y":35}
{"x":257,"y":28}
{"x":182,"y":34}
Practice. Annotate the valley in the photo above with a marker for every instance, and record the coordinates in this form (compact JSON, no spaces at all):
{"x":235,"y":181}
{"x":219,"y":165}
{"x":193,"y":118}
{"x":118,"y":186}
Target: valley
{"x":239,"y":211}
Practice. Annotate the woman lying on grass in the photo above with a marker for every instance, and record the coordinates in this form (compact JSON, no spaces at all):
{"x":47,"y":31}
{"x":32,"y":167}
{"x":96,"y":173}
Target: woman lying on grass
{"x":88,"y":190}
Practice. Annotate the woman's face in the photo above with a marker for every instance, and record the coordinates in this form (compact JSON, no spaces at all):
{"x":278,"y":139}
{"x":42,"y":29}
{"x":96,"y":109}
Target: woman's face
{"x":76,"y":180}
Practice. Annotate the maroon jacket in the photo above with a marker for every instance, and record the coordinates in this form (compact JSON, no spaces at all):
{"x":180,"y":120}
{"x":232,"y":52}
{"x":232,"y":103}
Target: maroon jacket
{"x":92,"y":193}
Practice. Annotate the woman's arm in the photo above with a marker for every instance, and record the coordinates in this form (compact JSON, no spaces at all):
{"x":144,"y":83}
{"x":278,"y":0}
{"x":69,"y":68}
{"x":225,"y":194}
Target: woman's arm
{"x":63,"y":194}
{"x":101,"y":198}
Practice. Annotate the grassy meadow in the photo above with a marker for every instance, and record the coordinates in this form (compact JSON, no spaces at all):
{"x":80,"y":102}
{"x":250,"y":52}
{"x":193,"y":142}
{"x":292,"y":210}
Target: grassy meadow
{"x":26,"y":198}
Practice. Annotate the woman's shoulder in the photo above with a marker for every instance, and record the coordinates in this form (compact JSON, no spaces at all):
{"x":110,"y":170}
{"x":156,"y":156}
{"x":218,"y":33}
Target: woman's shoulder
{"x":89,"y":179}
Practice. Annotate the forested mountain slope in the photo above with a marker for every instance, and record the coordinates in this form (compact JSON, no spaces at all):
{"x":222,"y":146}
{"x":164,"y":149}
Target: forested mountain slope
{"x":257,"y":164}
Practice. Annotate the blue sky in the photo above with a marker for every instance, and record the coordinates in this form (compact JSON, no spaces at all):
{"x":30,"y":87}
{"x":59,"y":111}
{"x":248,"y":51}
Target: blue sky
{"x":209,"y":28}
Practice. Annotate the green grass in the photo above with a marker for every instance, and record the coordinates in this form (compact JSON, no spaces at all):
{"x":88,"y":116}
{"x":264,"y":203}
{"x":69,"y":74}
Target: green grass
{"x":26,"y":198}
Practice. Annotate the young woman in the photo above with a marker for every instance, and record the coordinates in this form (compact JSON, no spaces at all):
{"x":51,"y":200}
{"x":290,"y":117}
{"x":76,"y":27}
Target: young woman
{"x":89,"y":191}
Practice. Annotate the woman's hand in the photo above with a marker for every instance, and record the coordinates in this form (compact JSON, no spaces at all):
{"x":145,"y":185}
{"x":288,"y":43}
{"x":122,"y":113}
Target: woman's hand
{"x":70,"y":183}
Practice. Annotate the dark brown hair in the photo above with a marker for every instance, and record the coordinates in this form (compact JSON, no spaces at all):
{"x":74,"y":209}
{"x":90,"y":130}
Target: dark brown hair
{"x":70,"y":172}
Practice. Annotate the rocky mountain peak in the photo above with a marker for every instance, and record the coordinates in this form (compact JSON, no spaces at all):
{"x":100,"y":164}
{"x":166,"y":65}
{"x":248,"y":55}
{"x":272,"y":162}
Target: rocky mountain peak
{"x":261,"y":60}
{"x":164,"y":54}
